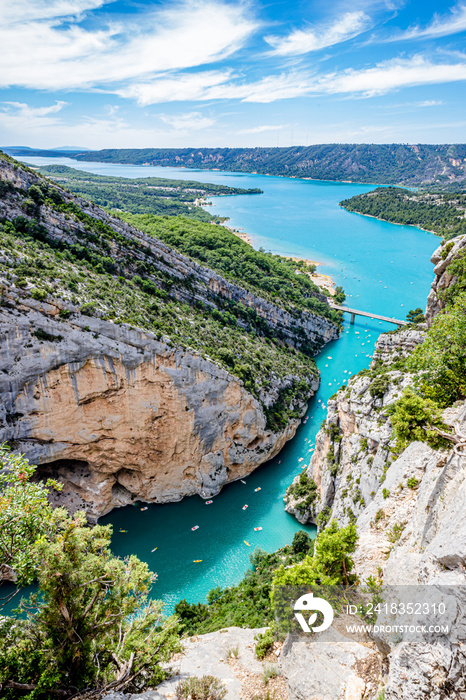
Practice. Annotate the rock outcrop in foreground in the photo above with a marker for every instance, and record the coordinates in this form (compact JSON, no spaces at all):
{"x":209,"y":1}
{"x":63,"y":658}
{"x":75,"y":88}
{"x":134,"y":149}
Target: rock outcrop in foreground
{"x":227,"y":655}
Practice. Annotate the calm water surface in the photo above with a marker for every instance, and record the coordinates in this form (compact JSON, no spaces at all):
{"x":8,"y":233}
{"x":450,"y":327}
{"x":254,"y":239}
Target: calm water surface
{"x":383,"y":268}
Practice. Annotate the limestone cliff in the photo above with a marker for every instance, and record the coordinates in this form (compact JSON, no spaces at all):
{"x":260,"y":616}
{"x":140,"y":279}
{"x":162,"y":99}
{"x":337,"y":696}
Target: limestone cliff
{"x":444,"y":279}
{"x":121,"y":416}
{"x":408,"y":505}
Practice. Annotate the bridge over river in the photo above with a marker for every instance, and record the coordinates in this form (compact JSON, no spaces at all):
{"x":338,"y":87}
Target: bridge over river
{"x":355,"y":312}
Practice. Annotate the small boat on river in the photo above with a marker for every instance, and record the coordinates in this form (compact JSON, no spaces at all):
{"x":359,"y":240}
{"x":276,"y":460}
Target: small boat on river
{"x":196,"y":527}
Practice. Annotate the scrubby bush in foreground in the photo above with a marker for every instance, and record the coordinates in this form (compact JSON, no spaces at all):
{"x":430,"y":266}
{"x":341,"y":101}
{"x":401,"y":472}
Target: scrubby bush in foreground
{"x":91,"y":626}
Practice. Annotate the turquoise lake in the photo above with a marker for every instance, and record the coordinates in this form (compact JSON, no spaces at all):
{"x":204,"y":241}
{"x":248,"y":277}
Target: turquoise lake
{"x":383,"y":268}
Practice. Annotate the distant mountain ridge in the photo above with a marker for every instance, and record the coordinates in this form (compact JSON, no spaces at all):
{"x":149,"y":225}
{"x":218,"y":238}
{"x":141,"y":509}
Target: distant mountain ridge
{"x":408,"y":164}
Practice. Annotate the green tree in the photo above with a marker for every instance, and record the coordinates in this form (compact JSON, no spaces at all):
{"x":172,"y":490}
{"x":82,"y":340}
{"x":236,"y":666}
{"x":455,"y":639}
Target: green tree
{"x":92,"y":625}
{"x":301,"y":542}
{"x":331,"y":563}
{"x":415,"y":315}
{"x":36,"y":194}
{"x":441,"y":359}
{"x":25,"y":514}
{"x":339,"y":295}
{"x":413,"y":418}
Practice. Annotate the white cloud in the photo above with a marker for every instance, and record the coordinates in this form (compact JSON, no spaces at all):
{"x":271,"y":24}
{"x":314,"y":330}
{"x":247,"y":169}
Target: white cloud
{"x":68,"y":55}
{"x":25,"y":110}
{"x":442,"y":25}
{"x":19,"y":115}
{"x":177,"y":88}
{"x":429,"y":103}
{"x":193,"y":121}
{"x":263,"y":128}
{"x":391,"y":75}
{"x":17,"y":11}
{"x":217,"y":85}
{"x":374,"y":80}
{"x":303,"y":41}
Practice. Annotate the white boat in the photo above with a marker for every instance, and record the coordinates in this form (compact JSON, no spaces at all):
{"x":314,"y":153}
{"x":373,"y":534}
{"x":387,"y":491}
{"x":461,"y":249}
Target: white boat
{"x":196,"y":527}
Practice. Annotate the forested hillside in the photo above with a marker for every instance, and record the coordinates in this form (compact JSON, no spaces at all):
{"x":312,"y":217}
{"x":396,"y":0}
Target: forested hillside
{"x":143,"y":195}
{"x":375,"y":163}
{"x":442,"y":213}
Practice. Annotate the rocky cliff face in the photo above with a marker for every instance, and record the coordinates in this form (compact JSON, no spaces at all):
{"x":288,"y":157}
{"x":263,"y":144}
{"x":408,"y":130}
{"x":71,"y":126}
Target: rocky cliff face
{"x":353,"y":449}
{"x":120,"y":416}
{"x":408,"y":506}
{"x":444,"y":279}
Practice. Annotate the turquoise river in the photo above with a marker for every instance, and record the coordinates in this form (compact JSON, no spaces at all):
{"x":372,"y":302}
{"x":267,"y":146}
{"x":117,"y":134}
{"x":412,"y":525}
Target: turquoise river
{"x":383,"y":268}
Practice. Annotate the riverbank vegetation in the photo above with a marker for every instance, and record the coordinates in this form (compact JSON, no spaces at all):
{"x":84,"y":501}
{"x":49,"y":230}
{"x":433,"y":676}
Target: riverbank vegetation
{"x":443,"y":213}
{"x":63,"y":249}
{"x":234,"y":337}
{"x":152,"y":195}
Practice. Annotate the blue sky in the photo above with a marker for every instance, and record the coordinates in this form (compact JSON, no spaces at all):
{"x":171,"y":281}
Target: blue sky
{"x":102,"y":74}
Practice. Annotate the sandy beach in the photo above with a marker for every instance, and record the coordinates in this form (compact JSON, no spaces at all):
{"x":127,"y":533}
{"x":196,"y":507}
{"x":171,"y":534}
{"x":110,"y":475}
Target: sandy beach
{"x":241,"y":234}
{"x":323,"y":281}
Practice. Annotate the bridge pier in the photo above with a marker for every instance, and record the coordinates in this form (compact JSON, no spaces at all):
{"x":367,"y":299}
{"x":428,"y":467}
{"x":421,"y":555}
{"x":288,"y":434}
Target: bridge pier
{"x":352,"y":319}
